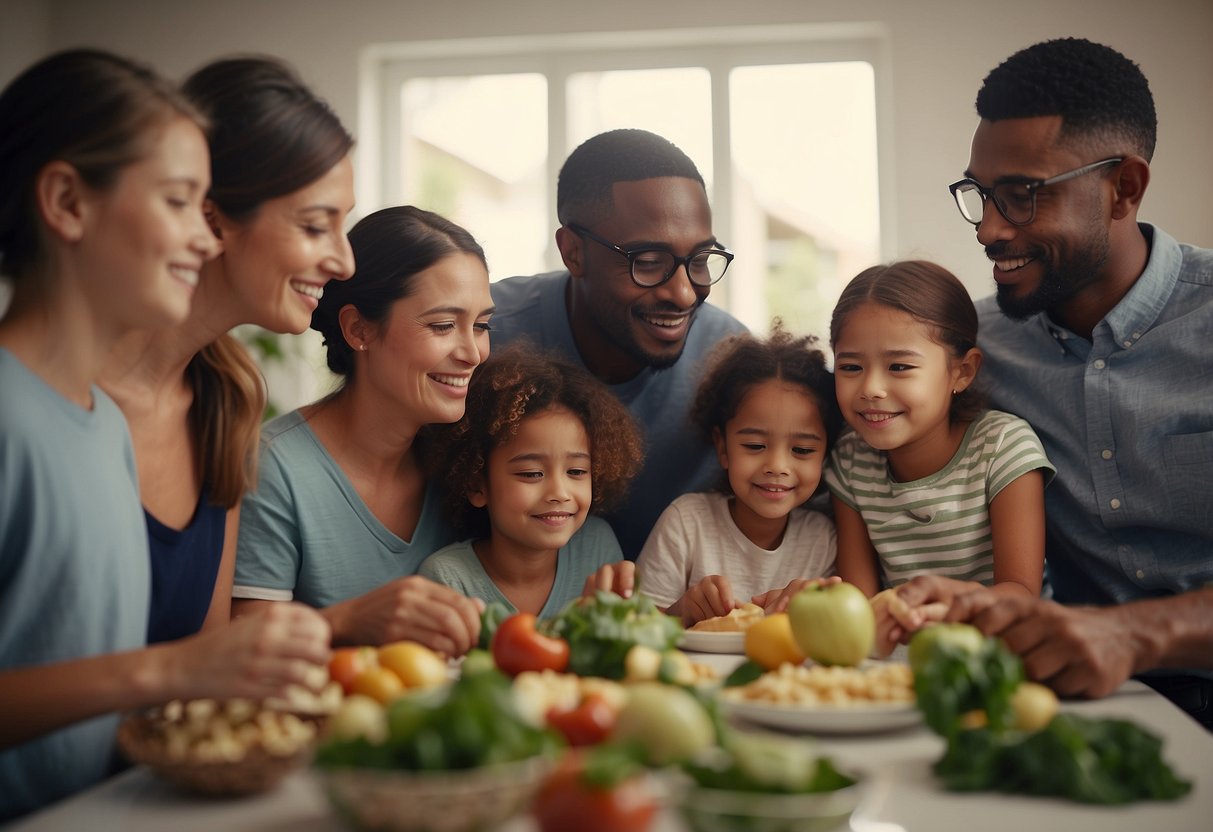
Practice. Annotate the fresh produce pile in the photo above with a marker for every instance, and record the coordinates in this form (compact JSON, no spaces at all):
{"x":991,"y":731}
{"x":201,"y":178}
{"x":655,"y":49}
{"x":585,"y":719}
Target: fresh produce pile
{"x":1004,"y":734}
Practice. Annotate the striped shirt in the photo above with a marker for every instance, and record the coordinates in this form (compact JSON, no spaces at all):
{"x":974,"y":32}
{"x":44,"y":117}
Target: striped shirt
{"x":940,"y":524}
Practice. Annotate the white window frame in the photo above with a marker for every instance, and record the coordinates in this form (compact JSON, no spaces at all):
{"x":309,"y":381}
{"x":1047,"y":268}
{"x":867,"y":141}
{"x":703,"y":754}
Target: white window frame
{"x":384,"y":68}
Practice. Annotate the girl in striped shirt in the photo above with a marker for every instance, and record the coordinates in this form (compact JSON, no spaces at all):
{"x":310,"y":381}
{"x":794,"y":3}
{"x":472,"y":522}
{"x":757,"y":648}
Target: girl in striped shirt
{"x":927,"y":481}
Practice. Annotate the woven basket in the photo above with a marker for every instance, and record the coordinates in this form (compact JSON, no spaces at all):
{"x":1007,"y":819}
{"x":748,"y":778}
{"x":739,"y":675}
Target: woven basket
{"x":434,"y":801}
{"x":141,"y":739}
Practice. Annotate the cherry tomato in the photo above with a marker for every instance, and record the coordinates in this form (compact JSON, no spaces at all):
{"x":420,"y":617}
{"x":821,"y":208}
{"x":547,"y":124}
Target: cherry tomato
{"x":566,"y":801}
{"x":517,"y":647}
{"x":348,"y":663}
{"x":587,"y":724}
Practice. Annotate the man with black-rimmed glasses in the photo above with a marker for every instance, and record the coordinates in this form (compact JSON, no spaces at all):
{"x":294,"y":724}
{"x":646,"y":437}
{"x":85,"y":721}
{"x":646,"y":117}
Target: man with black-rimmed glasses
{"x":640,"y":259}
{"x":1098,"y":336}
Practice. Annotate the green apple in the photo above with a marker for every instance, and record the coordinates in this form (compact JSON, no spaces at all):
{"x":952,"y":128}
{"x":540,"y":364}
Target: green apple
{"x":833,"y":624}
{"x":965,"y":638}
{"x":666,"y":720}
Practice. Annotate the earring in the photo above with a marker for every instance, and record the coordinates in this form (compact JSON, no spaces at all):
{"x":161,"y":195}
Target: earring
{"x":362,"y":347}
{"x":954,"y":390}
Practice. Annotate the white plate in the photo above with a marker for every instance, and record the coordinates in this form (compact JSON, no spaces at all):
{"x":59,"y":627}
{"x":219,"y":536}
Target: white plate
{"x":824,"y":719}
{"x":709,"y":642}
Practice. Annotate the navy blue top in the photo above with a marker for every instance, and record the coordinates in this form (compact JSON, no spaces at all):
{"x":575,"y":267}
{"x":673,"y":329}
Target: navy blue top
{"x":185,"y":564}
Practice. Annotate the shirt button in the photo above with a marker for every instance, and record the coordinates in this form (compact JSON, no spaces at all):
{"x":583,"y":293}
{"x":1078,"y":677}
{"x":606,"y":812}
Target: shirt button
{"x":1099,"y":364}
{"x":1115,"y":503}
{"x":1128,"y":344}
{"x":1140,"y":574}
{"x":1106,"y":454}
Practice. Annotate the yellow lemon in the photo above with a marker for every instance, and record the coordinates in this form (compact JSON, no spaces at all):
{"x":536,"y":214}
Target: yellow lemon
{"x":769,"y":642}
{"x":417,"y":665}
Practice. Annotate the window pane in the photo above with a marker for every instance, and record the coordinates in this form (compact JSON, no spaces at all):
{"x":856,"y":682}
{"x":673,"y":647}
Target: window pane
{"x":805,"y":201}
{"x":674,"y":103}
{"x":474,"y":150}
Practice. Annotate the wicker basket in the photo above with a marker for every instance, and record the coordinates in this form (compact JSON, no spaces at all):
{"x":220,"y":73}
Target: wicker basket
{"x":434,"y":801}
{"x":141,"y":739}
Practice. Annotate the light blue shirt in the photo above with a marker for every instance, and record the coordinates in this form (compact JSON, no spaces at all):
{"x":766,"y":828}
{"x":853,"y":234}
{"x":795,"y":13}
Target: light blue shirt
{"x":75,"y":574}
{"x":306,"y":535}
{"x":1127,"y":419}
{"x":593,"y":546}
{"x":677,"y":460}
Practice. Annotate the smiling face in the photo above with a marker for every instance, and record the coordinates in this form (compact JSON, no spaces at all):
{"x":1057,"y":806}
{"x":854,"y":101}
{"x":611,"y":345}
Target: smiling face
{"x":145,"y":238}
{"x":537,"y":486}
{"x":894,"y":383}
{"x":422,"y":357}
{"x":1046,"y":264}
{"x":621,"y":328}
{"x":277,"y":262}
{"x":772,"y":450}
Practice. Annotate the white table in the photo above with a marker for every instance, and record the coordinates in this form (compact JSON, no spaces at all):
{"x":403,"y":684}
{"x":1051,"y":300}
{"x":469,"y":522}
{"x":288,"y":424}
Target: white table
{"x":903,"y":790}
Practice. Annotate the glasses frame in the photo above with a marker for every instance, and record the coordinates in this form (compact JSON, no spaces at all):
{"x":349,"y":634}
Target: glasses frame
{"x":1034,"y":185}
{"x":679,"y":262}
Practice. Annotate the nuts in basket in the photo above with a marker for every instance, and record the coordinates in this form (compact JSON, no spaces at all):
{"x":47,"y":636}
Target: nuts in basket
{"x":234,"y":746}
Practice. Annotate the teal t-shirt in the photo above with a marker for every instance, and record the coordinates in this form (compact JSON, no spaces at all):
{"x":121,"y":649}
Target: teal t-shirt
{"x":593,"y":546}
{"x":306,"y":535}
{"x":75,"y":578}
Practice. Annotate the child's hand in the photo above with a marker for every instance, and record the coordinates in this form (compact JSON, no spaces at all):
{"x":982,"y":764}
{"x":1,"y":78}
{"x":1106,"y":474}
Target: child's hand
{"x":777,"y":600}
{"x":897,"y":620}
{"x":711,"y":597}
{"x":619,"y":578}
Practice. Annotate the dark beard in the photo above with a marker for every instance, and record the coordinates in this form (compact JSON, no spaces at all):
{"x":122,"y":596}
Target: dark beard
{"x":1061,"y":279}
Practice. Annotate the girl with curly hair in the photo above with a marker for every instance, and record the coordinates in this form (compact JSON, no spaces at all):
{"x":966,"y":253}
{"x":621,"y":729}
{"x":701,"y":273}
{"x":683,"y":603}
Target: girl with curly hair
{"x":542,"y":446}
{"x":768,"y":407}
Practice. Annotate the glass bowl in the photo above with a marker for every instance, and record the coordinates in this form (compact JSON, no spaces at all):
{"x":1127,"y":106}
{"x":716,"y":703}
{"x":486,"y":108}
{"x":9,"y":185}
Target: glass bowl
{"x":720,"y":810}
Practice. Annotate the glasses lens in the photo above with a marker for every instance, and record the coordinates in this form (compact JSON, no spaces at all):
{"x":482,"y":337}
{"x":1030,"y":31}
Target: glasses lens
{"x":1015,"y":201}
{"x":707,"y":267}
{"x":970,"y":201}
{"x":650,"y":268}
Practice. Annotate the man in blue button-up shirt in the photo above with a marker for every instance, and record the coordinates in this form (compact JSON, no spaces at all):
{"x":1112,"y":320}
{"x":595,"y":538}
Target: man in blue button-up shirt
{"x":1098,"y":335}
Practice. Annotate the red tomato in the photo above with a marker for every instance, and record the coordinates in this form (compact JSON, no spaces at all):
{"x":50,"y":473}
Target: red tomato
{"x":587,"y":724}
{"x":348,"y":663}
{"x":565,"y":801}
{"x":517,"y":646}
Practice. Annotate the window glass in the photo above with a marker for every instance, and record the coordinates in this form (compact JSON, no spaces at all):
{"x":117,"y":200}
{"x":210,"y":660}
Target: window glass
{"x":475,"y":149}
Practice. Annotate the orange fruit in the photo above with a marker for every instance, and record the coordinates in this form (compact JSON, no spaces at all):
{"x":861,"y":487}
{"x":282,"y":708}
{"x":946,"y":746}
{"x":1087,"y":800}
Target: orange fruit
{"x":379,"y":684}
{"x":417,"y":665}
{"x":769,"y":642}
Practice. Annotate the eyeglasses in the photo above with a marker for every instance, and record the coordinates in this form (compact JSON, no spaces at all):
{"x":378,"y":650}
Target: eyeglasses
{"x":1016,"y":201}
{"x":652,"y":265}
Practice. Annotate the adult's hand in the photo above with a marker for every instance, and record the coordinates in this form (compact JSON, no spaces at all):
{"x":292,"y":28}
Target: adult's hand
{"x":618,"y":577}
{"x":776,"y":600}
{"x":412,"y":608}
{"x":712,"y":596}
{"x":1077,"y":651}
{"x":255,"y":657}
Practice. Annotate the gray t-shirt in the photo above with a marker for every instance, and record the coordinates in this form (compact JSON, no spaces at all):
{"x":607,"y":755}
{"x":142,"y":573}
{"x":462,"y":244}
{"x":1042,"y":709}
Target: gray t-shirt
{"x":75,"y":578}
{"x":306,"y":535}
{"x":593,"y":546}
{"x":677,"y":460}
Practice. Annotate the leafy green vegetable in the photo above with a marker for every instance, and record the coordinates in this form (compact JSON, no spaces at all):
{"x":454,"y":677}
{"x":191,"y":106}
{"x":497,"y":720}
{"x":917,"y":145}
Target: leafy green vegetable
{"x":1102,"y":761}
{"x":955,"y":679}
{"x":746,"y":672}
{"x":601,"y":630}
{"x":765,"y":763}
{"x":494,"y":613}
{"x":475,"y":724}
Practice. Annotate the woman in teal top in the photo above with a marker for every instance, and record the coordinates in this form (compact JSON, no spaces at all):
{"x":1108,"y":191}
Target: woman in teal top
{"x":343,"y":513}
{"x":103,"y":169}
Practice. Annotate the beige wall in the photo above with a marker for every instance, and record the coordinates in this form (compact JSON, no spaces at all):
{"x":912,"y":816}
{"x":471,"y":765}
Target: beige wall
{"x":939,"y":51}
